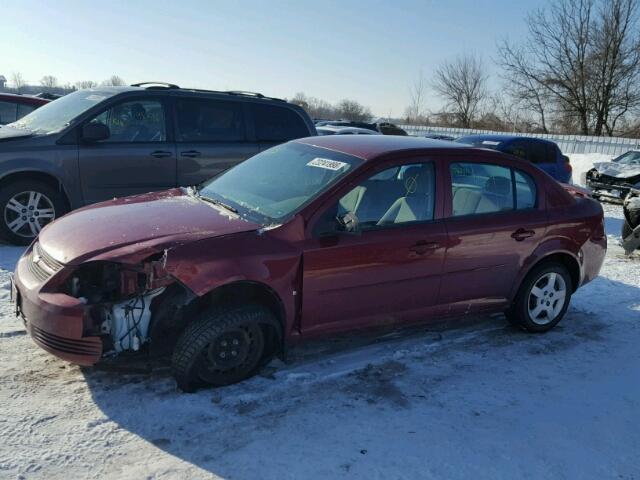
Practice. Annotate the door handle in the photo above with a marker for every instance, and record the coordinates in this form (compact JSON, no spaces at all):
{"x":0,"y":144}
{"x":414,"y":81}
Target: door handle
{"x":421,"y":247}
{"x":160,"y":154}
{"x":521,"y":233}
{"x":190,"y":154}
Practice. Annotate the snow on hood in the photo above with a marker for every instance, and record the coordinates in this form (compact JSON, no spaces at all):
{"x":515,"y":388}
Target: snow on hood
{"x":617,"y":170}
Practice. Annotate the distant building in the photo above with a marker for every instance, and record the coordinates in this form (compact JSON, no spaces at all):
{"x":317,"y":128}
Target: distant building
{"x":3,"y":82}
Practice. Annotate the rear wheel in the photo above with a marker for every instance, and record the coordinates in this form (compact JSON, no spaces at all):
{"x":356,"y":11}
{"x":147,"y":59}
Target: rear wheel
{"x":27,"y":206}
{"x":221,"y":347}
{"x":543,"y":298}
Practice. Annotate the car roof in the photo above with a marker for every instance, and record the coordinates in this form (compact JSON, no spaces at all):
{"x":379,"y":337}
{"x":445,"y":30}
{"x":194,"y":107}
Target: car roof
{"x":499,"y":138}
{"x":368,"y":147}
{"x":24,"y":99}
{"x":176,"y":90}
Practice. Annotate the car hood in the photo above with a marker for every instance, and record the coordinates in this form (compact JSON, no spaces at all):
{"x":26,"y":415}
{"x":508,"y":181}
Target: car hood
{"x":143,"y":223}
{"x":617,"y":170}
{"x":9,"y":133}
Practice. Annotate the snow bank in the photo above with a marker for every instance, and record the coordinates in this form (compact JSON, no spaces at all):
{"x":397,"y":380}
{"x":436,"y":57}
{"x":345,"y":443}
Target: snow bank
{"x":583,"y":162}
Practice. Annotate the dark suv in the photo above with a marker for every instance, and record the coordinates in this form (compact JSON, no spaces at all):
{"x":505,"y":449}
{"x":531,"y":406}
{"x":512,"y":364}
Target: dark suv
{"x":97,"y":144}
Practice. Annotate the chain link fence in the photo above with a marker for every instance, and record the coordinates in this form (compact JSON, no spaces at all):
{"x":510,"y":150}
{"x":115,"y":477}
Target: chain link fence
{"x":568,"y":143}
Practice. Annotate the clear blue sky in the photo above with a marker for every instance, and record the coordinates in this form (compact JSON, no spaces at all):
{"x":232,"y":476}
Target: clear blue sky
{"x":367,"y":50}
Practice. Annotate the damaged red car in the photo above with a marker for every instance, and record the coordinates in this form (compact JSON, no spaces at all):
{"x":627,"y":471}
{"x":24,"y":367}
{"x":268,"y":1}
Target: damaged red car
{"x":314,"y":237}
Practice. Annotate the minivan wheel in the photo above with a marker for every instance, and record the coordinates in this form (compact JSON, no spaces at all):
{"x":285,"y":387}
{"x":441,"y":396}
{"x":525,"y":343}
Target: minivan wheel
{"x":27,"y":206}
{"x":221,"y":347}
{"x":543,"y":298}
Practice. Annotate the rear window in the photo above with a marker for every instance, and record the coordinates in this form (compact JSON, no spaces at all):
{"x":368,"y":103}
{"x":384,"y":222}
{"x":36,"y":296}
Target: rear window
{"x":7,"y":112}
{"x":201,"y":120}
{"x":25,"y":110}
{"x":277,"y":124}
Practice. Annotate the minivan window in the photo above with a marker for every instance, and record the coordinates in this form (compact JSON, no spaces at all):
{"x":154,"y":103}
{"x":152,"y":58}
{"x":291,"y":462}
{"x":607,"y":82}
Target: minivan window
{"x":56,"y":115}
{"x":7,"y":112}
{"x":201,"y":120}
{"x":134,"y":121}
{"x":480,"y":188}
{"x":277,"y":124}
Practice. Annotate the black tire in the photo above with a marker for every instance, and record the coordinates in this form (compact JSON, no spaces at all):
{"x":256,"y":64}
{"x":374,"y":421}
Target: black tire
{"x":626,"y":229}
{"x":198,"y":359}
{"x":520,"y":312}
{"x":9,"y":215}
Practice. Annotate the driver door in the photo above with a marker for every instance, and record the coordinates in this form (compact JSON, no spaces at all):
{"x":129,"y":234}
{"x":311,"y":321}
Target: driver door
{"x":138,"y":157}
{"x":388,"y":272}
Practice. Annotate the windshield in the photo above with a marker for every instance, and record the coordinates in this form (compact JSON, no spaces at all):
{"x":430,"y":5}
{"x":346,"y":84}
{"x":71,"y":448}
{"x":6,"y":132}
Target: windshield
{"x":276,"y":183}
{"x":629,"y":158}
{"x":56,"y":115}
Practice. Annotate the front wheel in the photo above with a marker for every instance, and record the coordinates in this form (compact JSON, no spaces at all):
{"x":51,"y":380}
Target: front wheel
{"x":27,"y":206}
{"x":543,"y":298}
{"x":221,"y":347}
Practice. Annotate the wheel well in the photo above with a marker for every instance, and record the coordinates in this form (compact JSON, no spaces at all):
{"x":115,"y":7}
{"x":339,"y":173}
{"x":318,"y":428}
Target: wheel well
{"x":569,"y":262}
{"x":37,"y":176}
{"x":239,"y":293}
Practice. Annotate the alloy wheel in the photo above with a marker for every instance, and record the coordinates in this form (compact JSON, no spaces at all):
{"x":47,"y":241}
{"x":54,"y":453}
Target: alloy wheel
{"x":26,"y":213}
{"x":547,"y":298}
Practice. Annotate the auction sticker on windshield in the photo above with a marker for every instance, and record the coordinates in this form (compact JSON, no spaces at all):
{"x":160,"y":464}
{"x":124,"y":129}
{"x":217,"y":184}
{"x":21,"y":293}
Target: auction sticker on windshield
{"x":326,"y":164}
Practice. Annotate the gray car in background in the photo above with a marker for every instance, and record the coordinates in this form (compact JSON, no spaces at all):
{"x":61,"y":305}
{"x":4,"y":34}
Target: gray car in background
{"x":96,"y":144}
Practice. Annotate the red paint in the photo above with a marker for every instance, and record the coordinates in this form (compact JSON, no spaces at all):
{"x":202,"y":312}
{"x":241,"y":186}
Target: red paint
{"x":449,"y":266}
{"x":23,"y":99}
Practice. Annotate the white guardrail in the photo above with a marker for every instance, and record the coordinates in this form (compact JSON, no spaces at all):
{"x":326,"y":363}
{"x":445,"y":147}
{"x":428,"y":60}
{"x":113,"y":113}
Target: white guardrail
{"x":568,"y":143}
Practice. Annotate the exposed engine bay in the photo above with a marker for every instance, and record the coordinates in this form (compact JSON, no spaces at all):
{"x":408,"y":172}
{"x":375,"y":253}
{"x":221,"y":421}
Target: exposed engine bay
{"x":119,"y":300}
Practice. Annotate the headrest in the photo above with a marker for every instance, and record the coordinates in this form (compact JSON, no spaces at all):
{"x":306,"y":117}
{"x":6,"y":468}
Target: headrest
{"x":417,"y":180}
{"x":498,"y":185}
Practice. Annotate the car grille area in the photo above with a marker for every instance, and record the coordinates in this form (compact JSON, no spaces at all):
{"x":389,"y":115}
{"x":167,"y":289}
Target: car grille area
{"x":41,"y":265}
{"x":84,"y":351}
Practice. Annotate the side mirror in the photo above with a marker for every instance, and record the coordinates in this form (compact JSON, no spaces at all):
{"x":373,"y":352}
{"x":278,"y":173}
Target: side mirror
{"x":349,"y":223}
{"x":95,"y":132}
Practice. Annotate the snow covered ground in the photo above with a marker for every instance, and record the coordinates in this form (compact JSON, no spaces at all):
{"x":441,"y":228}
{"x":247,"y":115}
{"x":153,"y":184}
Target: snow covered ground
{"x":480,"y":401}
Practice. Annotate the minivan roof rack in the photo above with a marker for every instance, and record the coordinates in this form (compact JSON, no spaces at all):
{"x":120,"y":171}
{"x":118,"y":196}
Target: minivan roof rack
{"x":243,"y":92}
{"x":155,"y":85}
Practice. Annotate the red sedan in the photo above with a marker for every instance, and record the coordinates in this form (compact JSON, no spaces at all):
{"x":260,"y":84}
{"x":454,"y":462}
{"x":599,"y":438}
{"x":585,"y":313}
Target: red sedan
{"x":314,"y":237}
{"x":14,"y":107}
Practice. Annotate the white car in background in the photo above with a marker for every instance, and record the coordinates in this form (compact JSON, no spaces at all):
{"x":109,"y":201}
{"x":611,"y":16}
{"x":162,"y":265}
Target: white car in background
{"x":614,"y":180}
{"x":339,"y":130}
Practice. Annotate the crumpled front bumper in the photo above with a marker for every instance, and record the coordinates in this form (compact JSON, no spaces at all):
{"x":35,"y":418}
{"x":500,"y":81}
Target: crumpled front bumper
{"x":54,"y":321}
{"x":610,"y":190}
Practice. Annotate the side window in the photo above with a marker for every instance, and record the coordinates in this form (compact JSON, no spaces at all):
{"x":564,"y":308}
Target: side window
{"x":135,"y":121}
{"x":25,"y":110}
{"x":7,"y":112}
{"x":526,"y":192}
{"x":277,"y":124}
{"x":517,"y":148}
{"x":480,"y":188}
{"x":537,"y":152}
{"x":201,"y":120}
{"x":393,"y":196}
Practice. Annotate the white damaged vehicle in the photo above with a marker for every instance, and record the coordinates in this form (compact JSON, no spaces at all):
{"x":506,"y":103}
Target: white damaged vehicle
{"x":613,"y":180}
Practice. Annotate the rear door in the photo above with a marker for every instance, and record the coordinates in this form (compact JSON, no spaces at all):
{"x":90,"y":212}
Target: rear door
{"x":138,"y":157}
{"x":211,"y":137}
{"x":275,"y":124}
{"x":495,"y":219}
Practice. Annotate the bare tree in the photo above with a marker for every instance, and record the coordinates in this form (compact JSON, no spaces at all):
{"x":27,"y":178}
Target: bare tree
{"x":114,"y":81}
{"x":415,"y":112}
{"x":462,"y":84}
{"x":581,"y":59}
{"x":354,"y":111}
{"x":18,"y":81}
{"x":82,"y":84}
{"x":315,"y":107}
{"x":49,"y":81}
